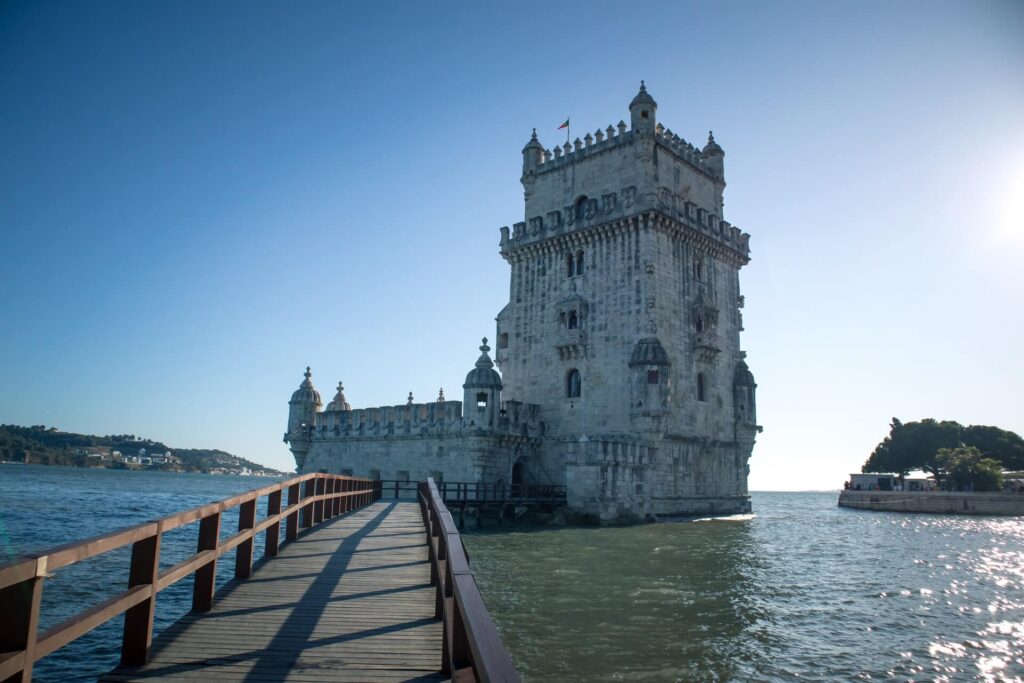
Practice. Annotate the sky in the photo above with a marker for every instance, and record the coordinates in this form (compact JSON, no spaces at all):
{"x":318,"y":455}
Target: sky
{"x":198,"y":199}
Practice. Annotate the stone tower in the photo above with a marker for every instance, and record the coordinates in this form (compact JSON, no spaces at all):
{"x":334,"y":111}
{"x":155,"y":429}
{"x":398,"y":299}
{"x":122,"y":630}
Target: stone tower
{"x":623,"y":322}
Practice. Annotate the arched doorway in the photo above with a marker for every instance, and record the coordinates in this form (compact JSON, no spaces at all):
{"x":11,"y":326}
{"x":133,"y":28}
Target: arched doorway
{"x":519,"y":477}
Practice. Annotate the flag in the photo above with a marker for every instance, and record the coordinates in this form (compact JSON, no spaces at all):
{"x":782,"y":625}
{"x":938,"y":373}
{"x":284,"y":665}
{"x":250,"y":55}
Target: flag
{"x":564,"y":125}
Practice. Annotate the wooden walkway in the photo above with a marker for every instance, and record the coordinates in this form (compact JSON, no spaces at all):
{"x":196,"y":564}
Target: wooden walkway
{"x":351,"y":600}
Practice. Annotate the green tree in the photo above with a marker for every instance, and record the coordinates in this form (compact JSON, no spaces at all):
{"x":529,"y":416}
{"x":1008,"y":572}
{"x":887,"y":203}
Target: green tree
{"x":966,"y":469}
{"x":998,"y":444}
{"x":913,"y":445}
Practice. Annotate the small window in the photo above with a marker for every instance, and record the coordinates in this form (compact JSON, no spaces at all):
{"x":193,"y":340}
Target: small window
{"x":346,"y":472}
{"x":503,"y":340}
{"x":402,"y":475}
{"x":573,"y":385}
{"x":570,"y":265}
{"x":580,"y":207}
{"x":579,"y":262}
{"x":698,"y":270}
{"x":700,"y":387}
{"x":652,"y":376}
{"x":700,"y":324}
{"x":574,"y":320}
{"x":374,"y":475}
{"x":643,"y":114}
{"x":481,"y":399}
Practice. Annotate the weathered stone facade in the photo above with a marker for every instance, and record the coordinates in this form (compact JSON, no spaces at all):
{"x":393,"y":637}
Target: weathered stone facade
{"x":622,"y":373}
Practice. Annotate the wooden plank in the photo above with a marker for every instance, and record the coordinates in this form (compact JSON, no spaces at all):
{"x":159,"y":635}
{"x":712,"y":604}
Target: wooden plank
{"x":351,"y":602}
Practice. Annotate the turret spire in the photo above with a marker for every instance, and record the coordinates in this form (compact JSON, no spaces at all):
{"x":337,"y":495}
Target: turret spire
{"x":484,"y":361}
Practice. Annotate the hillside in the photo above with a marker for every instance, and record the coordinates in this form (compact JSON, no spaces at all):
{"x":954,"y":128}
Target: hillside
{"x":41,"y":445}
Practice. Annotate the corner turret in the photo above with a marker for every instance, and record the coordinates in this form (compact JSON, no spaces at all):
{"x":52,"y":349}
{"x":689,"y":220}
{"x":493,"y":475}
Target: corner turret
{"x":714,"y":156}
{"x":481,"y":399}
{"x":642,"y":111}
{"x":533,"y":154}
{"x":302,"y":413}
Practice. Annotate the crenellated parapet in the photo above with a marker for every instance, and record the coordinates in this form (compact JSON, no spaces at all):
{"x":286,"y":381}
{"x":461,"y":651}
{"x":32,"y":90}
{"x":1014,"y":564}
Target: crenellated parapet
{"x":445,"y":418}
{"x":615,"y":206}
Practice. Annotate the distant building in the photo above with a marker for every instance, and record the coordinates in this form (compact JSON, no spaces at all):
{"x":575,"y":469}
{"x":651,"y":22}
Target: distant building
{"x":622,"y":375}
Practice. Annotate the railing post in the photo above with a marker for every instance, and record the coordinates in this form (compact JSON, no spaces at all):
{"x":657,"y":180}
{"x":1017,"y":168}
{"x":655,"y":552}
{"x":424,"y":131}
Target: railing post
{"x":19,"y":626}
{"x":396,"y":488}
{"x":206,"y":576}
{"x":307,"y":508}
{"x":243,"y":553}
{"x":272,"y":537}
{"x":318,"y":506}
{"x":336,"y":504}
{"x":137,"y":637}
{"x":291,"y":526}
{"x":347,"y":503}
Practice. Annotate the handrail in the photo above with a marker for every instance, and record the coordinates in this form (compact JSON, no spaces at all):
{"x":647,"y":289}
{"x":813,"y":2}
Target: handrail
{"x":311,"y":499}
{"x":471,"y":645}
{"x":469,"y":491}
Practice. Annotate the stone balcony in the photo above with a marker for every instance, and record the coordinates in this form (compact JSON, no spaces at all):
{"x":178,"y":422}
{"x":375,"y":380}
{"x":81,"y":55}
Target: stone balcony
{"x":706,"y":345}
{"x":571,"y":343}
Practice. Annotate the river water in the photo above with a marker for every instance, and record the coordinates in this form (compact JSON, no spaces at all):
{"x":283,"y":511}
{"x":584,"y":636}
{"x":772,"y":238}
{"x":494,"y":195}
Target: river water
{"x":800,"y":590}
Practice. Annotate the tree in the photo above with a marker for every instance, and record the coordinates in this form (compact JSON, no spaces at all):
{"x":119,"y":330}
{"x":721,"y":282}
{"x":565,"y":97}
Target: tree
{"x":913,"y":445}
{"x":966,"y":469}
{"x":998,"y":444}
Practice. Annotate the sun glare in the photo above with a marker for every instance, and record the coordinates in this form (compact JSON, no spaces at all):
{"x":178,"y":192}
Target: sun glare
{"x":1010,"y":227}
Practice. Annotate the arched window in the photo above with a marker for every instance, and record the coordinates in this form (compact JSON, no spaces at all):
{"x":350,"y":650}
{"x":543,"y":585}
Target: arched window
{"x":579,"y":262}
{"x":652,"y":376}
{"x":573,"y":384}
{"x":698,"y":270}
{"x":700,"y":323}
{"x":573,"y":321}
{"x":481,"y":399}
{"x":700,"y":387}
{"x":570,"y":265}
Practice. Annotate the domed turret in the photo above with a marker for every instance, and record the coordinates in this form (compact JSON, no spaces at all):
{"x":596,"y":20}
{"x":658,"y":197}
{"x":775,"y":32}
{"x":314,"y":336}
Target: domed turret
{"x":642,"y":111}
{"x":533,"y":154}
{"x":483,"y":376}
{"x":714,"y":155}
{"x":649,"y":351}
{"x":339,"y":402}
{"x":306,"y":393}
{"x":482,"y":392}
{"x":302,"y":412}
{"x":651,"y":385}
{"x":743,"y":387}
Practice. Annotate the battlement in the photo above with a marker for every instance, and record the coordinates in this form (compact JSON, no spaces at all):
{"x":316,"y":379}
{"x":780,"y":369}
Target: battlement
{"x":442,"y":418}
{"x":614,"y":206}
{"x":613,"y":138}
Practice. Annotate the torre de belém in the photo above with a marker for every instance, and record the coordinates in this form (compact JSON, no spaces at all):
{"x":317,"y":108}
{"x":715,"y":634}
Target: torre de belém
{"x":622,"y":375}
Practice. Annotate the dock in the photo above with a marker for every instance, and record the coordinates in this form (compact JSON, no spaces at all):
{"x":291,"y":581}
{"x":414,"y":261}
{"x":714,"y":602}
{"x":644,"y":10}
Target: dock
{"x":361,"y":588}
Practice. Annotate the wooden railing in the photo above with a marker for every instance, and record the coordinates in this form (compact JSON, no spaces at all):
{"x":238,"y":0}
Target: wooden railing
{"x":311,"y":499}
{"x":471,"y":647}
{"x":457,"y":491}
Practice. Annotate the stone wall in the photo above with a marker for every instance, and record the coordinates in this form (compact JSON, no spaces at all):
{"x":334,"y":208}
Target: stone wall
{"x":937,"y":502}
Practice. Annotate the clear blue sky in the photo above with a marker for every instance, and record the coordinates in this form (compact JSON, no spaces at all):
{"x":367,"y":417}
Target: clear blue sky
{"x":199,"y":199}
